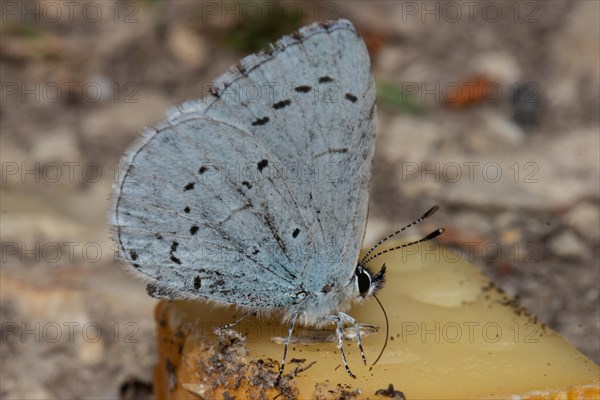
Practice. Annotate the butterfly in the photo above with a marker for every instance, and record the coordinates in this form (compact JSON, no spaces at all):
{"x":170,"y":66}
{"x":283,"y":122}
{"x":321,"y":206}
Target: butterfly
{"x":257,"y":195}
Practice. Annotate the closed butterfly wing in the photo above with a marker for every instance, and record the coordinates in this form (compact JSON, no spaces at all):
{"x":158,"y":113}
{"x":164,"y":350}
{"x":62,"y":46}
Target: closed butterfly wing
{"x":257,"y":201}
{"x":311,"y":100}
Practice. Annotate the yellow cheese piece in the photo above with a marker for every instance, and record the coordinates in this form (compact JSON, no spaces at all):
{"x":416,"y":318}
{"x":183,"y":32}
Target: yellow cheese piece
{"x":452,"y":335}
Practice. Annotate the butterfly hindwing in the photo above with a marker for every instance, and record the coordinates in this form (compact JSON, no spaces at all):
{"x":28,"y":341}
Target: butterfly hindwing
{"x":192,"y":215}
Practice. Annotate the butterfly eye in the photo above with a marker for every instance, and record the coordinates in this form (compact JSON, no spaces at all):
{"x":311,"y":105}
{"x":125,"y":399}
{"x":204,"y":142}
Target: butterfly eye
{"x":364,"y":281}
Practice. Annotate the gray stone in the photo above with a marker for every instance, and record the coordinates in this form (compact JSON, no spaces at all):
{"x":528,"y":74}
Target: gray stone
{"x":568,"y":245}
{"x":188,"y":48}
{"x":501,"y":128}
{"x":58,"y":144}
{"x":408,"y":138}
{"x":585,"y":219}
{"x":500,"y":66}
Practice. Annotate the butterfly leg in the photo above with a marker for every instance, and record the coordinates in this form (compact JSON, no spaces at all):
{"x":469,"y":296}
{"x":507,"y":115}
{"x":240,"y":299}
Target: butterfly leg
{"x":340,"y":335}
{"x":285,"y":348}
{"x":237,"y":321}
{"x":357,"y":329}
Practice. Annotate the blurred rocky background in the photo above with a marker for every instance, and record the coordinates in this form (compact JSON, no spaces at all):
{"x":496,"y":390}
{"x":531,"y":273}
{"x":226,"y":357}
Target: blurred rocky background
{"x":489,"y":109}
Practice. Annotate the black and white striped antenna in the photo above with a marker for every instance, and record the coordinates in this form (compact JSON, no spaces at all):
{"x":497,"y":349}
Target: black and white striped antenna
{"x":432,"y":235}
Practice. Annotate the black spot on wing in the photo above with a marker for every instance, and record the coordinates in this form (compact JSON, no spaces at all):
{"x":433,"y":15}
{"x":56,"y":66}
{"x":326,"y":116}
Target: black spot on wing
{"x":351,"y":97}
{"x":327,"y":288}
{"x":186,"y":210}
{"x":151,"y":289}
{"x":303,"y":89}
{"x":189,"y":186}
{"x":247,"y":184}
{"x":133,"y":254}
{"x":342,"y":150}
{"x":262,"y":164}
{"x":261,"y":121}
{"x":214,"y":91}
{"x":296,"y":233}
{"x":174,"y":247}
{"x":217,"y":283}
{"x":194,"y":229}
{"x":326,"y":25}
{"x":242,"y":69}
{"x":333,"y":151}
{"x":281,"y":104}
{"x":159,"y":236}
{"x":325,"y":79}
{"x":202,"y":170}
{"x":197,"y":282}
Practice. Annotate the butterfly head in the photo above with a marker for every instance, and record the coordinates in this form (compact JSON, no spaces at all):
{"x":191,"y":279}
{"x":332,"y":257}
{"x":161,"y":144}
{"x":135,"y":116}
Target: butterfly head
{"x":366,"y":282}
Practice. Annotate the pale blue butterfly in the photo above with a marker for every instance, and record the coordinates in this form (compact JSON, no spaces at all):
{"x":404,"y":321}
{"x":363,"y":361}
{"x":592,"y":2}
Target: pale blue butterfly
{"x":257,"y":195}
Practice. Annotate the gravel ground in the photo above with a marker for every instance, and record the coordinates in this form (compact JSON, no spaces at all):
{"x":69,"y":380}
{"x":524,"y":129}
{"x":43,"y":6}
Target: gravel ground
{"x":516,"y":170}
